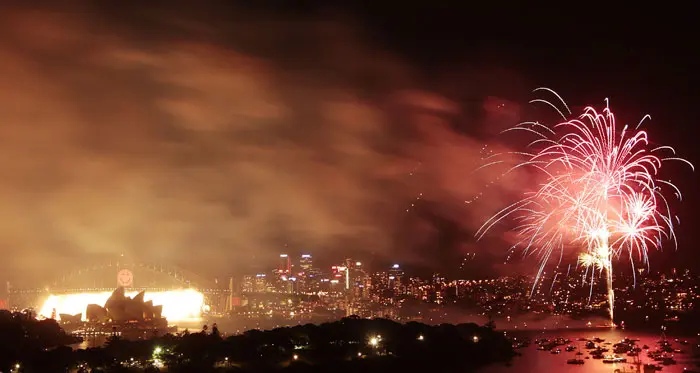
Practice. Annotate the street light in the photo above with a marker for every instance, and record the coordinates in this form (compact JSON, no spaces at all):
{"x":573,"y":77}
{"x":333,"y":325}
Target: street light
{"x":374,"y":341}
{"x":295,"y":357}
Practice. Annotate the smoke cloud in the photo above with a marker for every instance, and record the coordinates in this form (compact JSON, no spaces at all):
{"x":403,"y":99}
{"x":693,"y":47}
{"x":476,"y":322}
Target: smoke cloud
{"x":211,"y":143}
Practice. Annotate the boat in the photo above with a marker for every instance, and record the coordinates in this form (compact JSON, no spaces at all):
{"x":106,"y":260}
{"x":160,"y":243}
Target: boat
{"x":556,"y":351}
{"x":651,"y":368}
{"x":575,"y":361}
{"x":668,"y":361}
{"x":645,"y":347}
{"x":610,"y":359}
{"x":570,"y":348}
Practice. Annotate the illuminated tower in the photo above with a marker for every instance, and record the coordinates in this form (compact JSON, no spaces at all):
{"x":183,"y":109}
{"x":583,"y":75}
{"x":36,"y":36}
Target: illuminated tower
{"x":395,"y":276}
{"x":260,"y":285}
{"x":305,"y":263}
{"x":359,"y":280}
{"x":248,"y":284}
{"x":285,"y":266}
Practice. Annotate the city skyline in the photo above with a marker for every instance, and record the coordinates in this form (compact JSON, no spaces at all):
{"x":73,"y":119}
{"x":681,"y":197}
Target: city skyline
{"x":350,"y":288}
{"x":360,"y":186}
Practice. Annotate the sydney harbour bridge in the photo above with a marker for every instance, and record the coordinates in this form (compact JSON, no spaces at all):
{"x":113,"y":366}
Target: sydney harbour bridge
{"x":134,"y":276}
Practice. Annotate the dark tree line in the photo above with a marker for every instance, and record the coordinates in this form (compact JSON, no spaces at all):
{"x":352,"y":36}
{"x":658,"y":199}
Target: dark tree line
{"x":348,"y":345}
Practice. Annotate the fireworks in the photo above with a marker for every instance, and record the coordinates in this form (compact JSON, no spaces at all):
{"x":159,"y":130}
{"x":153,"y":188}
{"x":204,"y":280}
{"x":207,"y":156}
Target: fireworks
{"x":599,"y":194}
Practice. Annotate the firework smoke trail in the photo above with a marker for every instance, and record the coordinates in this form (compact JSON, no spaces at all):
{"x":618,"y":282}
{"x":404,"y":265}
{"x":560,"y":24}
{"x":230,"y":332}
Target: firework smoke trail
{"x":600,"y":195}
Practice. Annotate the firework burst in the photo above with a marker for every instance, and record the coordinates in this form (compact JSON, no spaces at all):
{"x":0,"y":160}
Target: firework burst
{"x":600,"y":193}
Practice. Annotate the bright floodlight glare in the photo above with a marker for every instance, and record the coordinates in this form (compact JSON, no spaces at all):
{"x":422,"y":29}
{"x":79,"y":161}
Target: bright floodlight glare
{"x":420,"y":337}
{"x":157,"y":350}
{"x":178,"y":305}
{"x":374,"y":341}
{"x":296,"y":357}
{"x":475,"y":339}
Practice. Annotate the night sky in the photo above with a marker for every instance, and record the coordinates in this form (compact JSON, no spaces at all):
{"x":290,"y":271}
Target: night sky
{"x":215,"y":137}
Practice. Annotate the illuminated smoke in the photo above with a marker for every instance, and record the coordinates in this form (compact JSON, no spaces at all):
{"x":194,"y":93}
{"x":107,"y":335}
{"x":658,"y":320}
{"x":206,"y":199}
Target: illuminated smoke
{"x":178,"y":305}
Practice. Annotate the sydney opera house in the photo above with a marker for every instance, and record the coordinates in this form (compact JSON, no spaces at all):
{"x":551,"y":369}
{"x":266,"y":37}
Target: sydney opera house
{"x":120,"y":309}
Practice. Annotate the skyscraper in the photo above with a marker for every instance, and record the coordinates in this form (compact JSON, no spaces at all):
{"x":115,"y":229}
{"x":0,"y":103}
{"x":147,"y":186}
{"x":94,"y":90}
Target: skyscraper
{"x":248,"y":284}
{"x":305,"y":263}
{"x":261,"y":284}
{"x":285,"y":266}
{"x":395,"y":276}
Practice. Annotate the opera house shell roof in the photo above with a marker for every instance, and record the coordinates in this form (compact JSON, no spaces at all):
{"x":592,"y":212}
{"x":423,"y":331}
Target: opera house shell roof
{"x":120,"y":308}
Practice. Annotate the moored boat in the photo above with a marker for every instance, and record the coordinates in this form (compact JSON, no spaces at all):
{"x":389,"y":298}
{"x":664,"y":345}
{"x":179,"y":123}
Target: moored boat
{"x":614,"y":359}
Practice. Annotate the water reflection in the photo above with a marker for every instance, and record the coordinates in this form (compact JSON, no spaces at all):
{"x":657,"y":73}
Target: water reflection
{"x":533,"y":360}
{"x":97,"y":340}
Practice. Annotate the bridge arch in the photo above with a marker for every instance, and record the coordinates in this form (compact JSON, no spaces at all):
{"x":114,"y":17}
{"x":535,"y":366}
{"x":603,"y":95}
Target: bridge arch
{"x":145,"y":275}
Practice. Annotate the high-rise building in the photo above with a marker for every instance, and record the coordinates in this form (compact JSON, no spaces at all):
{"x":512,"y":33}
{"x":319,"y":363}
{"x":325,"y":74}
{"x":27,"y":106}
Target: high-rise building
{"x":248,"y":284}
{"x":357,"y":279}
{"x":285,"y":265}
{"x":395,"y":277}
{"x":337,"y":272}
{"x":261,"y":284}
{"x":350,"y":278}
{"x":308,"y":278}
{"x":439,"y":288}
{"x":305,"y":263}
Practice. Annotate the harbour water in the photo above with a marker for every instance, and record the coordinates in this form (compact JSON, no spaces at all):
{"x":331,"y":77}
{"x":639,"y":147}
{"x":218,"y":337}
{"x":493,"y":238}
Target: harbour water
{"x":533,"y":360}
